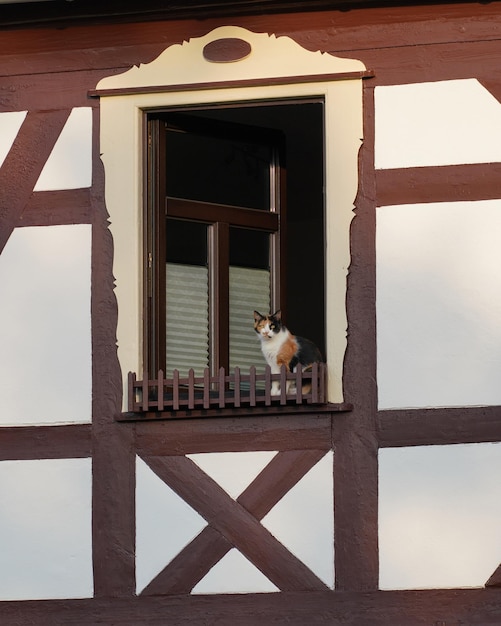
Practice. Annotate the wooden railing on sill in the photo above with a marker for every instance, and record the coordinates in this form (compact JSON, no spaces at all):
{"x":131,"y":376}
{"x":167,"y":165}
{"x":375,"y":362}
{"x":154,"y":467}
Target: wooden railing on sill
{"x":233,"y":390}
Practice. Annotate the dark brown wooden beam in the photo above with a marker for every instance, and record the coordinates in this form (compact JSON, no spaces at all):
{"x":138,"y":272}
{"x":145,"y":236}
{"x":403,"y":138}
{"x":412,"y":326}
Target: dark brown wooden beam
{"x":287,"y":432}
{"x":451,"y":183}
{"x":235,"y":523}
{"x":424,"y":427}
{"x":113,"y":456}
{"x":49,"y":208}
{"x":45,"y":442}
{"x":27,"y":156}
{"x":354,"y":434}
{"x":475,"y":607}
{"x":93,"y":11}
{"x":209,"y":547}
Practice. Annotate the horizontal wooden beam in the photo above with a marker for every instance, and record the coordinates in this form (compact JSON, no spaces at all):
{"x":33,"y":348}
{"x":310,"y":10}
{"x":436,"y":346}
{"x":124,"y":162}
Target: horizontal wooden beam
{"x":451,"y":183}
{"x":235,"y":434}
{"x":45,"y":442}
{"x":49,"y":208}
{"x":443,"y":426}
{"x":474,"y":607}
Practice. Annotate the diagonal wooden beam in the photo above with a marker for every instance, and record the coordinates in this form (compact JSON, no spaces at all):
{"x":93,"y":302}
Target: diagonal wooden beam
{"x":209,"y":547}
{"x":239,"y":527}
{"x":495,"y":579}
{"x":24,"y":163}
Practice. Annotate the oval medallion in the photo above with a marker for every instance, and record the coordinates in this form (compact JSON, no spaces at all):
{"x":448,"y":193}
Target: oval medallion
{"x":227,"y":50}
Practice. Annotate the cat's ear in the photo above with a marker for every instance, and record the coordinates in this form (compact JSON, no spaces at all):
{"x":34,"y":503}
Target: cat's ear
{"x":257,"y":316}
{"x":278,"y":315}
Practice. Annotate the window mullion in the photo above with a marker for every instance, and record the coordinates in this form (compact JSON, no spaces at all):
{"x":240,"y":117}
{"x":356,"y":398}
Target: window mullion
{"x":219,"y":295}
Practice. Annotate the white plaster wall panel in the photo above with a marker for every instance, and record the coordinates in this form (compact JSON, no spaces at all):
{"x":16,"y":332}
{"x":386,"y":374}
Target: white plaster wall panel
{"x":439,"y":513}
{"x":165,"y":524}
{"x":69,"y":165}
{"x":441,"y":123}
{"x":45,"y":529}
{"x":439,"y":304}
{"x":234,"y":573}
{"x":10,"y":123}
{"x":303,"y":520}
{"x":233,"y":471}
{"x":45,"y":361}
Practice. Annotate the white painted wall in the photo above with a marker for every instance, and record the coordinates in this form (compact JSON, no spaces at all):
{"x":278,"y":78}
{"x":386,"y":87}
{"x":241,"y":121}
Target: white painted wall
{"x":443,"y":123}
{"x":439,"y":512}
{"x":45,"y":361}
{"x":45,"y":529}
{"x":439,"y":304}
{"x":438,"y":279}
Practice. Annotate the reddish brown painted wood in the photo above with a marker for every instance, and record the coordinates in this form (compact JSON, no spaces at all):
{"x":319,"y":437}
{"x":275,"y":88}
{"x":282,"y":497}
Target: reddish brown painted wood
{"x":355,"y":452}
{"x":495,"y":579}
{"x":281,"y":474}
{"x":198,"y":557}
{"x":452,"y":183}
{"x":227,"y":50}
{"x":235,"y":523}
{"x":432,"y":62}
{"x":474,"y":607}
{"x":49,"y":91}
{"x":191,"y":564}
{"x":45,"y":442}
{"x":48,"y":208}
{"x":287,"y":432}
{"x":113,"y":461}
{"x":30,"y":151}
{"x":423,"y":427}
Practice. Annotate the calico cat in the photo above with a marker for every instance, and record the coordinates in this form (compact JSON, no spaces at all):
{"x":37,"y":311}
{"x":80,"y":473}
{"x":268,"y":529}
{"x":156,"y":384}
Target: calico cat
{"x":281,"y":347}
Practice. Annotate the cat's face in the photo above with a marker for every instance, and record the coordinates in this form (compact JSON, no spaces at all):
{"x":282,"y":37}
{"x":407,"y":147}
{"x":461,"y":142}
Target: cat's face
{"x":267,"y":326}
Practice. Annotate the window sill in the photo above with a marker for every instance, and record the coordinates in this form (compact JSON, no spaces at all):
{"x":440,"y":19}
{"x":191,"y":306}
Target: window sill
{"x":235,"y":394}
{"x":231,"y":412}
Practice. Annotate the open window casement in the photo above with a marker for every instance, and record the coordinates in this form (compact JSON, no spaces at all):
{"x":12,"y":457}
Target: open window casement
{"x":196,"y":78}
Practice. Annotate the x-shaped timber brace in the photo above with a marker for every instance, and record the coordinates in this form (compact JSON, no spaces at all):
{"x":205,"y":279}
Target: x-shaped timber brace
{"x":234,"y":523}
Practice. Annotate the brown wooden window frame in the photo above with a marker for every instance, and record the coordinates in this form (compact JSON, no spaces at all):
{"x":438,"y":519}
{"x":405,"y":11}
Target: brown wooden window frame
{"x":145,"y":396}
{"x":220,"y":218}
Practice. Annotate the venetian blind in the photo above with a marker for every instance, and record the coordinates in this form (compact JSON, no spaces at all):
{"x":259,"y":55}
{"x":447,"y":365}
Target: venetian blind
{"x":187,"y":313}
{"x":249,"y":291}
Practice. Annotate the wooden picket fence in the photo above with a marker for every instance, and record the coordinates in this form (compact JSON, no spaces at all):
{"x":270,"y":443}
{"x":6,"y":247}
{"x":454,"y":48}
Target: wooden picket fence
{"x":227,"y":390}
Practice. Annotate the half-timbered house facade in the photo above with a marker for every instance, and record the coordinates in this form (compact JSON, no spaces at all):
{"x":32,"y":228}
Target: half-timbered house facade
{"x":166,"y":169}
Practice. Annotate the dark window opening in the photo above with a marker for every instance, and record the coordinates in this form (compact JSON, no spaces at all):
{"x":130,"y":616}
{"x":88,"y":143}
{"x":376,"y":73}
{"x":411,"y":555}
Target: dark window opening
{"x":235,"y":222}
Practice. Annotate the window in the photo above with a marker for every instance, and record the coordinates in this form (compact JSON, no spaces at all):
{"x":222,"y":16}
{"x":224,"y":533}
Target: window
{"x":234,"y":222}
{"x":268,"y":88}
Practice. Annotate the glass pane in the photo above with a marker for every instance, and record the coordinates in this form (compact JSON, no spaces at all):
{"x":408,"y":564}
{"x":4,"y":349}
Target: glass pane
{"x":217,"y":169}
{"x":250,"y":288}
{"x":186,"y":242}
{"x":187,"y":297}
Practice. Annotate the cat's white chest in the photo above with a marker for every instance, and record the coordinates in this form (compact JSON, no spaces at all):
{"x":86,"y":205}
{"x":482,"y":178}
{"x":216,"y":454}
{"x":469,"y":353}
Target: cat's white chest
{"x":271,"y":347}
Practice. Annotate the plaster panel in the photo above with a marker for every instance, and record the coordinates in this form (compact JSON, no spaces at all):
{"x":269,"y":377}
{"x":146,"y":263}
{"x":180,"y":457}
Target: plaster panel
{"x":439,"y":304}
{"x":303,"y":520}
{"x":233,"y":471}
{"x":441,"y":123}
{"x":69,"y":165}
{"x":439,"y":513}
{"x":45,"y":362}
{"x":164,"y":524}
{"x":45,"y":529}
{"x":234,"y":574}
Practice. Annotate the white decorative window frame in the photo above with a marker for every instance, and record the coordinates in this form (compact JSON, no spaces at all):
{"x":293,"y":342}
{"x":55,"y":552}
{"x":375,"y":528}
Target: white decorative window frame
{"x":276,"y":69}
